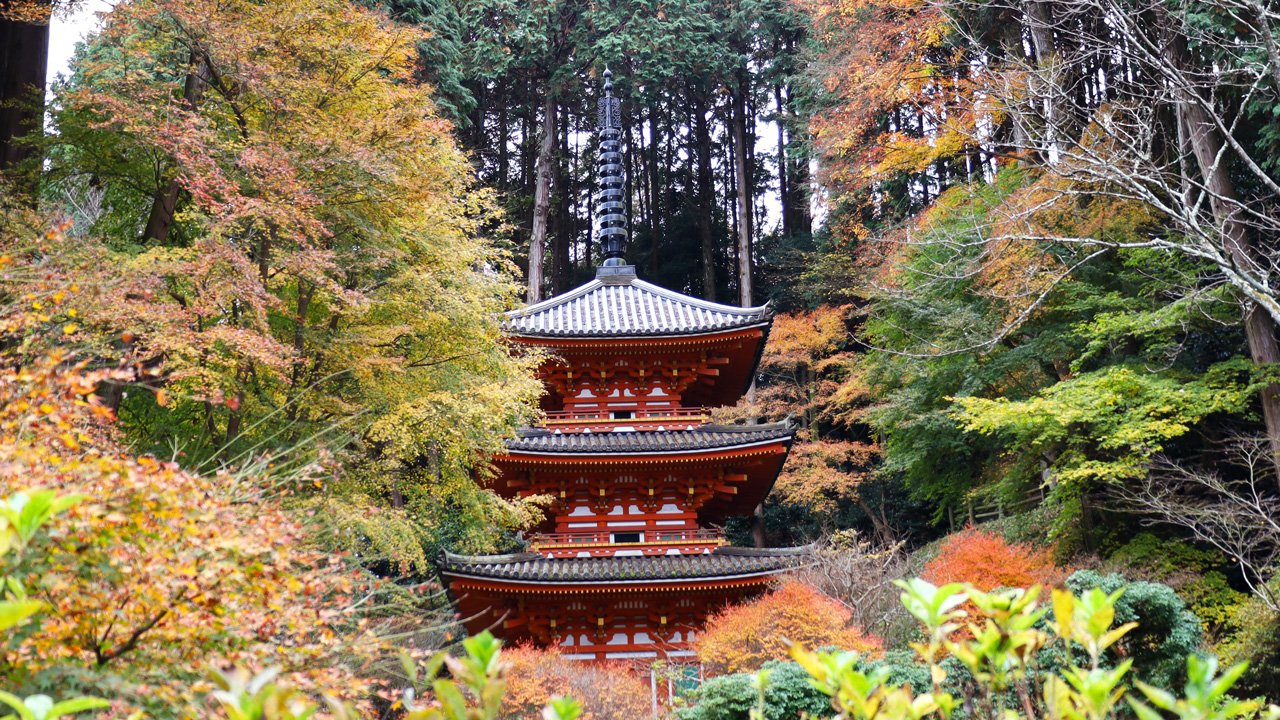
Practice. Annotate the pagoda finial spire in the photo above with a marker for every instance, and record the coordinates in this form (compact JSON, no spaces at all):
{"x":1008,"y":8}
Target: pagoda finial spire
{"x":611,"y":208}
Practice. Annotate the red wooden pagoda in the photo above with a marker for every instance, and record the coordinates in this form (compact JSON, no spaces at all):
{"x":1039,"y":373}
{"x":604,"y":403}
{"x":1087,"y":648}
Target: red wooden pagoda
{"x":626,"y":565}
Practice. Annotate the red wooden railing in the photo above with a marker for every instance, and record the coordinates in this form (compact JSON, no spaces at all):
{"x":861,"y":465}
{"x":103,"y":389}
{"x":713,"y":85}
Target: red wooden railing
{"x":649,"y":536}
{"x":641,"y":418}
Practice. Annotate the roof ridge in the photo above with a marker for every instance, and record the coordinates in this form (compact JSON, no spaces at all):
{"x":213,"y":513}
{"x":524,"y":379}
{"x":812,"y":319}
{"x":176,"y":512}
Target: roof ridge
{"x":648,"y":441}
{"x":792,"y":551}
{"x":698,"y":302}
{"x":628,"y":568}
{"x":633,"y":308}
{"x":557,"y":300}
{"x":502,"y":559}
{"x":787,"y":424}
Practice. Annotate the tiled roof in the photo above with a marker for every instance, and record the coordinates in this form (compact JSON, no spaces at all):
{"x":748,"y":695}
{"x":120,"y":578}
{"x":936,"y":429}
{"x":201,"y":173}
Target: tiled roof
{"x":622,"y":305}
{"x":533,"y":567}
{"x":702,"y":438}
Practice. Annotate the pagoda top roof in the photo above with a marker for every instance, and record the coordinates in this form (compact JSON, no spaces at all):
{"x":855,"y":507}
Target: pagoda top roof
{"x":723,"y":562}
{"x":705,"y":437}
{"x":617,"y":304}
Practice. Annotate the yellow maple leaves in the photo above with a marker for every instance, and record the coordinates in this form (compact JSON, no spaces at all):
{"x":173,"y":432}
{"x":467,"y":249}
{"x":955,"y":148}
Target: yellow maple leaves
{"x":157,"y":565}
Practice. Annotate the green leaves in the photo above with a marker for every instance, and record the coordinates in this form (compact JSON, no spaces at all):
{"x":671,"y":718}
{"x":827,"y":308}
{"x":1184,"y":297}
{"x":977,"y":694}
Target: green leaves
{"x":1002,"y":644}
{"x":937,"y":608}
{"x":1005,"y":643}
{"x":13,"y":612}
{"x":42,"y":707}
{"x":21,"y":517}
{"x":1087,"y":620}
{"x":1108,"y":424}
{"x":562,"y":708}
{"x":23,"y":514}
{"x":258,"y":697}
{"x":1086,"y":694}
{"x":475,"y":687}
{"x":855,"y":693}
{"x":1205,"y":696}
{"x":473,"y":692}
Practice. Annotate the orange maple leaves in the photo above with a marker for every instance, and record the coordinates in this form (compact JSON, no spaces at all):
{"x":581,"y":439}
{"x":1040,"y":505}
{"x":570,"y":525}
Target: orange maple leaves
{"x":984,"y":559}
{"x":606,"y":691}
{"x":159,"y":569}
{"x":901,"y":99}
{"x":741,"y":638}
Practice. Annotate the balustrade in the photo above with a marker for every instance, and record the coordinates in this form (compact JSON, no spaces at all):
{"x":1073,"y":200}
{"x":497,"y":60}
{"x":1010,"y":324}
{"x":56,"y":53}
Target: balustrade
{"x":645,"y":536}
{"x":641,"y":418}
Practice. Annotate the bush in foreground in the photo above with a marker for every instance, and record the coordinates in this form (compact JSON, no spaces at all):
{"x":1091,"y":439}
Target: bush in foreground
{"x":606,"y":692}
{"x":985,"y":560}
{"x":744,"y":637}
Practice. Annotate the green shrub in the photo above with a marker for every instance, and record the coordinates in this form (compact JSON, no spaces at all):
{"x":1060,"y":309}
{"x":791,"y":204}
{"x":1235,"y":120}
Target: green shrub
{"x":1167,"y":631}
{"x":1254,"y":637}
{"x":1165,"y":557}
{"x":1194,"y":573}
{"x":1006,"y":633}
{"x":731,"y":697}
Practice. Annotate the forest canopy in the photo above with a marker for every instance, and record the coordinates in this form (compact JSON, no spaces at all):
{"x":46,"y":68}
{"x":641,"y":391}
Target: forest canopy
{"x":1022,"y":257}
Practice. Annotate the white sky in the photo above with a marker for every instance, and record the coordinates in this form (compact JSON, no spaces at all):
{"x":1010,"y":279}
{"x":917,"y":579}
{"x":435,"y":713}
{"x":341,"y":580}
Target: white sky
{"x":67,"y":30}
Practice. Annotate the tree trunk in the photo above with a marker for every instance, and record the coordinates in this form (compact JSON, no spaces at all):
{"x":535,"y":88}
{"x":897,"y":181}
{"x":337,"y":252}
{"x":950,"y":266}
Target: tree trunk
{"x":162,"y":209}
{"x":541,"y":200}
{"x":563,"y":224}
{"x":798,"y":187}
{"x":654,"y":188}
{"x":879,"y":523}
{"x":706,"y":198}
{"x":24,"y":60}
{"x":1039,"y":16}
{"x":165,"y":202}
{"x":802,"y":217}
{"x":784,"y":187}
{"x":1206,"y":145}
{"x":504,"y":157}
{"x":1040,"y":19}
{"x":742,"y":176}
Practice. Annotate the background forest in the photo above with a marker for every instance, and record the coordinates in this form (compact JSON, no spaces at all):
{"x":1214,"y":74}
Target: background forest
{"x":1023,"y":254}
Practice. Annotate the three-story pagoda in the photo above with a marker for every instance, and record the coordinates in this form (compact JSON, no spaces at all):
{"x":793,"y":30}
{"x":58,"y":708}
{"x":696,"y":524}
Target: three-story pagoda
{"x":627,"y":564}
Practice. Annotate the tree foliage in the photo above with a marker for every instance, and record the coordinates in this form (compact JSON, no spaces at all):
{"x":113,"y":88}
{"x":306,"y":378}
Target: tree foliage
{"x":159,"y":568}
{"x":788,"y":695}
{"x":300,"y":258}
{"x":744,"y":637}
{"x":986,"y":561}
{"x":605,"y":691}
{"x":1000,"y":655}
{"x":265,"y":347}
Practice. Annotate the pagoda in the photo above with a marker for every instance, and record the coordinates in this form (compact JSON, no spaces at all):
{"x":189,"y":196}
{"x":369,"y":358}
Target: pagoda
{"x":628,"y":563}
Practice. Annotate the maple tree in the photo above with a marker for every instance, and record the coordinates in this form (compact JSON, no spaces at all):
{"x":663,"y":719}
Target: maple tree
{"x":606,"y":691}
{"x":159,"y":568}
{"x":896,"y":111}
{"x":810,"y":374}
{"x":987,"y":561}
{"x":742,"y":637}
{"x":311,"y":269}
{"x":812,"y":371}
{"x":283,"y":261}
